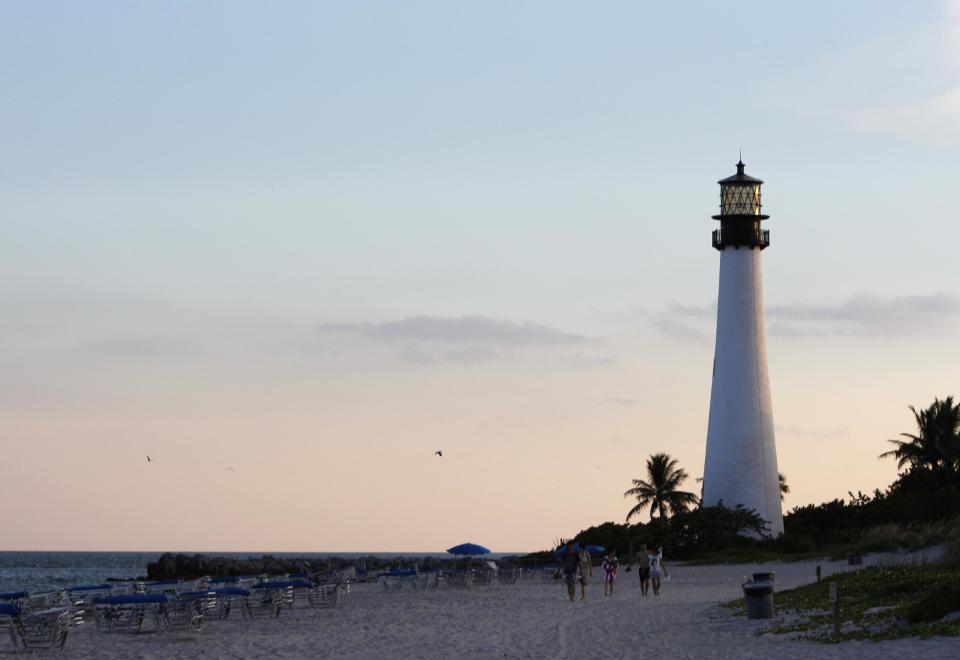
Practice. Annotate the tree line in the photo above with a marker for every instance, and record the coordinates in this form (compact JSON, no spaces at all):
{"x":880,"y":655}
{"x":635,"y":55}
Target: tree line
{"x":927,"y":488}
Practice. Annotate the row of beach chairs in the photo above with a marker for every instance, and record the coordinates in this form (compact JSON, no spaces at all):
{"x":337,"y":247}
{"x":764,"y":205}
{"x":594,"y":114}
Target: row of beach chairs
{"x":43,"y":621}
{"x":463,"y":578}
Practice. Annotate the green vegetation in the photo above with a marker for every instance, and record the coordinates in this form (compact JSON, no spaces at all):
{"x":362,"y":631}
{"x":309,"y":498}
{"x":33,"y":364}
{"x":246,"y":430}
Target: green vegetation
{"x":875,"y":603}
{"x":661,"y":491}
{"x":919,"y":509}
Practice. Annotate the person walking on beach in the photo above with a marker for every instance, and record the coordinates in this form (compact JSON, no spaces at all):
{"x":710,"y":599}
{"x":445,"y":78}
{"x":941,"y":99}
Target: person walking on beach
{"x":657,"y":570}
{"x":610,"y":564}
{"x":643,"y":568}
{"x":586,"y":561}
{"x":571,"y":569}
{"x":586,"y":571}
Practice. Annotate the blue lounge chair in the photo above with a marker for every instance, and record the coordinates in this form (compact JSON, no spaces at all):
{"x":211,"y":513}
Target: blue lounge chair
{"x":14,"y":596}
{"x":267,"y":599}
{"x":508,"y":575}
{"x":396,"y":578}
{"x":128,"y":613}
{"x":188,"y":610}
{"x":228,"y":599}
{"x":37,"y":629}
{"x":459,"y":578}
{"x":83,"y":596}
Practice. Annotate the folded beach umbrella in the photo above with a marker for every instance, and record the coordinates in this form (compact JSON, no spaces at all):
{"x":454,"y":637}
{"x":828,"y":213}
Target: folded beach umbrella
{"x":468,"y":549}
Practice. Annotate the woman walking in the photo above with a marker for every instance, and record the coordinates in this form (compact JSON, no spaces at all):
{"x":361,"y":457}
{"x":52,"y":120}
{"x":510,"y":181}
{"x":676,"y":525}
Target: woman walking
{"x":657,"y":570}
{"x":610,"y":564}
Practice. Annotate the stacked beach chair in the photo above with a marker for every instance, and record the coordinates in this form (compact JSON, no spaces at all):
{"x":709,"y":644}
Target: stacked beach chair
{"x":43,"y":621}
{"x":38,"y":622}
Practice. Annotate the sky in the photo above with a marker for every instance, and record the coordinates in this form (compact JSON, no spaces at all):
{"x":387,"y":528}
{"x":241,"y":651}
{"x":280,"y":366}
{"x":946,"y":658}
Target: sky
{"x":315,"y":242}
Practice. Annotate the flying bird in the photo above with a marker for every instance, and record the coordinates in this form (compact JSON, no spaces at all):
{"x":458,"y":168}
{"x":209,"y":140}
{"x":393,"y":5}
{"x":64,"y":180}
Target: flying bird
{"x":229,"y":468}
{"x":438,"y":453}
{"x":149,"y":460}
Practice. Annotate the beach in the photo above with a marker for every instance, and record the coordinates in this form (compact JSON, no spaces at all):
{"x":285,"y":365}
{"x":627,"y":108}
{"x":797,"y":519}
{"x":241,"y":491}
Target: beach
{"x":529,"y":619}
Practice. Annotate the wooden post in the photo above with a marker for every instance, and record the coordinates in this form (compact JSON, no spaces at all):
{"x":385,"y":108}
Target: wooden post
{"x":835,"y":601}
{"x":818,"y":573}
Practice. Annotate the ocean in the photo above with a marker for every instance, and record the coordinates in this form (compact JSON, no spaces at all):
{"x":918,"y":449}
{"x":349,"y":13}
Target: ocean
{"x":45,"y":571}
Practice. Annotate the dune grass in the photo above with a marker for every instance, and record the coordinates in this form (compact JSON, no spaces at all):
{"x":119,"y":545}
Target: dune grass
{"x":876,"y":603}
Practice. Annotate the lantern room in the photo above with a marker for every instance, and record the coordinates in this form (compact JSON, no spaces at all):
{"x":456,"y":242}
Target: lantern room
{"x":740,"y":213}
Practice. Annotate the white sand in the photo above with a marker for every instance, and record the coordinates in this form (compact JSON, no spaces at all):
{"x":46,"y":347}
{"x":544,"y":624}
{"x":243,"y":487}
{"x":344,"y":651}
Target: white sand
{"x":532,"y":619}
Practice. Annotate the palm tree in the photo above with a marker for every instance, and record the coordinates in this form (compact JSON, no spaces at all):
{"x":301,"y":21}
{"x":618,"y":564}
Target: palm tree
{"x":661,"y":489}
{"x":937,"y":442}
{"x":784,"y":488}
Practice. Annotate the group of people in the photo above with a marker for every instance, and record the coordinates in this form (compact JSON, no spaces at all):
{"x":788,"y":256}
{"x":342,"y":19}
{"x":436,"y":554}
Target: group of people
{"x":578,"y":567}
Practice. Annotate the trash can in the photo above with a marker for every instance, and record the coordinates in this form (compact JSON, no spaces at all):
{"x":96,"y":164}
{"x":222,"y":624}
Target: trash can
{"x":759,"y":597}
{"x":763,"y":577}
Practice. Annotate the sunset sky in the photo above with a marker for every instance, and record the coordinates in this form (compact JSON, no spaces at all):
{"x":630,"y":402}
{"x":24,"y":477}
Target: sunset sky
{"x":316,"y":242}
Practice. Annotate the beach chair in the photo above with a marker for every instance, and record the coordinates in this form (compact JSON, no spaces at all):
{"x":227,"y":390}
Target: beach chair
{"x":9,"y":613}
{"x":481,"y":577}
{"x":228,"y":599}
{"x":508,"y":575}
{"x":327,"y":595}
{"x":165,"y":587}
{"x":47,"y":600}
{"x":14,"y":597}
{"x":268,"y":598}
{"x":550,"y":572}
{"x":397,"y":578}
{"x":83,"y":596}
{"x":456,"y":578}
{"x":41,"y":629}
{"x":427,"y":580}
{"x":187,"y":611}
{"x":128,"y":613}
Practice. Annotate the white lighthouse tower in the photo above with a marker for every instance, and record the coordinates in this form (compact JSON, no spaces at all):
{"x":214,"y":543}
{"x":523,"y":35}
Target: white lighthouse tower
{"x":741,"y":462}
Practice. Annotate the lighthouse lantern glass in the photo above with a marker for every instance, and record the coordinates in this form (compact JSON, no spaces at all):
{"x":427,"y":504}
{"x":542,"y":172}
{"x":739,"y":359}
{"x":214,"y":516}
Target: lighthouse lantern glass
{"x":740,"y":199}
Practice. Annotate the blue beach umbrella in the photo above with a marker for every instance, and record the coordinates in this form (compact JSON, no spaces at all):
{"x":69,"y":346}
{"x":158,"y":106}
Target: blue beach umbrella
{"x":562,"y":550}
{"x":468,"y":549}
{"x":595,"y":549}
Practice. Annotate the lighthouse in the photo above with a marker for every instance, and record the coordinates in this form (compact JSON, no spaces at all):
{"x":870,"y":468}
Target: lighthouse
{"x":741,"y":459}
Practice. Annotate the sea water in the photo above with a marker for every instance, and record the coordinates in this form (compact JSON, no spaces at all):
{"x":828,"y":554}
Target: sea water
{"x":45,"y":571}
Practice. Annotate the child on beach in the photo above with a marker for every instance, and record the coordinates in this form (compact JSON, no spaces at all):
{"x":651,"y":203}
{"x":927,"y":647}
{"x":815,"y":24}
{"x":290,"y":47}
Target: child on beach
{"x":610,"y":564}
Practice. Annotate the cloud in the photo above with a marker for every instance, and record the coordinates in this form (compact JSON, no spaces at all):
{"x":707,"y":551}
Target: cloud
{"x":692,"y":311}
{"x":462,"y":330}
{"x":865,"y":315}
{"x":680,"y":331}
{"x":473,"y":354}
{"x":416,"y":356}
{"x":861,"y":315}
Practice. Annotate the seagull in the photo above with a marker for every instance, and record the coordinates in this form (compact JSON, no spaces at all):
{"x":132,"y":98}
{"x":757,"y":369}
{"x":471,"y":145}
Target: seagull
{"x":149,"y":460}
{"x":438,"y":453}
